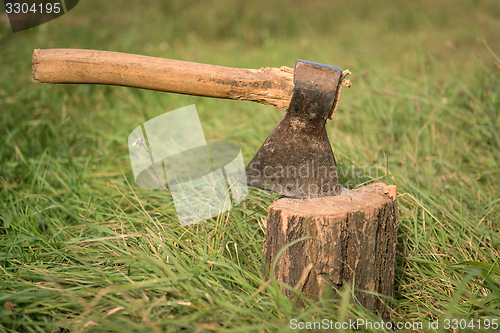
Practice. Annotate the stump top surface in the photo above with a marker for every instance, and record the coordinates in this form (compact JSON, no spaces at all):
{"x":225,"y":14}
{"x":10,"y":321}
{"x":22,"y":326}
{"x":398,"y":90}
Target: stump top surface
{"x":350,"y":200}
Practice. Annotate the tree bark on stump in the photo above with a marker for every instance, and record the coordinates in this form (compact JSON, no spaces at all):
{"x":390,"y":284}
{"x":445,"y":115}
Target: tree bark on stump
{"x":352,"y":239}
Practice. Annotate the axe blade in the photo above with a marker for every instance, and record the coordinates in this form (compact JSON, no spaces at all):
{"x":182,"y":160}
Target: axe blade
{"x":297,"y":160}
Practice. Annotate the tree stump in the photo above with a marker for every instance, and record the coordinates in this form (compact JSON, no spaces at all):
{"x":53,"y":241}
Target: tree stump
{"x":352,"y":240}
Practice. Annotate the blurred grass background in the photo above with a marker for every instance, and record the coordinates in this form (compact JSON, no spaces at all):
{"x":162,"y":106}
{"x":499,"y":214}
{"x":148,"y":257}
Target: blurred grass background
{"x":82,"y":248}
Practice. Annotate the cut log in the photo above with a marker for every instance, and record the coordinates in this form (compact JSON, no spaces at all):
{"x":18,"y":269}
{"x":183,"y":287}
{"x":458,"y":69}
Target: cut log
{"x":352,"y":240}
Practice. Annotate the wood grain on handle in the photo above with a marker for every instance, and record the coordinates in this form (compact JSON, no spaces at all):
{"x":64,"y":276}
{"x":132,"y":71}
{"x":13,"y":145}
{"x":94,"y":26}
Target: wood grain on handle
{"x":272,"y":86}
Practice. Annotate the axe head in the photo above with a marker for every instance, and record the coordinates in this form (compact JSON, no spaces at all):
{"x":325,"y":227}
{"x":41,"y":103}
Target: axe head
{"x":296,"y":160}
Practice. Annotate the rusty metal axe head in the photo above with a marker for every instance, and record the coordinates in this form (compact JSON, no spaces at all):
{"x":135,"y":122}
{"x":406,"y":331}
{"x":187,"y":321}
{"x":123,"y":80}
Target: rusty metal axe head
{"x":297,"y":160}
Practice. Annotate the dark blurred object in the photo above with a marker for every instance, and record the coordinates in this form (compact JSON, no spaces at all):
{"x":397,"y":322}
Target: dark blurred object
{"x":31,"y":13}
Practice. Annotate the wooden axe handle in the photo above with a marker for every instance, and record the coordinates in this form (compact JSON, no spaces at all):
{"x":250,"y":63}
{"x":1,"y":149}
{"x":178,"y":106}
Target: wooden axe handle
{"x":272,"y":86}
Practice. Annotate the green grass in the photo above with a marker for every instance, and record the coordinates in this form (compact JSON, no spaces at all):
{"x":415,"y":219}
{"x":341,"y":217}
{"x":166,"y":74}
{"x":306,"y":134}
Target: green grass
{"x":82,"y":248}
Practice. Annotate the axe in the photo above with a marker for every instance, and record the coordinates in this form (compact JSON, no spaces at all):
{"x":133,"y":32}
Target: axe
{"x":296,"y":160}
